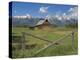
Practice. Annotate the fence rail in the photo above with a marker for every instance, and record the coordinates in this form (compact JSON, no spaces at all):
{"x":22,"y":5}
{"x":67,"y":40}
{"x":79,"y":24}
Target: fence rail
{"x":37,"y":37}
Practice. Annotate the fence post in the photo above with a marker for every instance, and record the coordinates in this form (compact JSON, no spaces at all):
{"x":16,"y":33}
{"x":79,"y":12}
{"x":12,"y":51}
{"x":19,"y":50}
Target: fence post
{"x":73,"y":40}
{"x":23,"y":43}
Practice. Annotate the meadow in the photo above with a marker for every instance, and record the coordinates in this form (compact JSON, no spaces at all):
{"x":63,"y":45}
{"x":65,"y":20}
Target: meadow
{"x":62,"y":48}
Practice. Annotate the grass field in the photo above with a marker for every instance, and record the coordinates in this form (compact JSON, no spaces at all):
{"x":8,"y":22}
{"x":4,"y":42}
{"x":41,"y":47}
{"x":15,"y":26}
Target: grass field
{"x":63,"y":48}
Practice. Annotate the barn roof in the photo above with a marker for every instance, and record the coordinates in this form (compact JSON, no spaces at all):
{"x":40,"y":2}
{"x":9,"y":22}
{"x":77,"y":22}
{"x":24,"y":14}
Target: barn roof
{"x":40,"y":22}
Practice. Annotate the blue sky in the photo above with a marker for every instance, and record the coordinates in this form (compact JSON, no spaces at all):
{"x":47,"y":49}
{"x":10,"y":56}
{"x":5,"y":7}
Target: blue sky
{"x":39,"y":10}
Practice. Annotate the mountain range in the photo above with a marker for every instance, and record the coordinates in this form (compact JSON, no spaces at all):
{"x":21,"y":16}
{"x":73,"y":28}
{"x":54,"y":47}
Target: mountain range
{"x":31,"y":22}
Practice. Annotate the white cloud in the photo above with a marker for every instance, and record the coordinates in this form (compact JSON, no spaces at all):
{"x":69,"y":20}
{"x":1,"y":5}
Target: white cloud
{"x":70,"y":9}
{"x":28,"y":16}
{"x":23,"y":16}
{"x":43,"y":9}
{"x":73,"y":13}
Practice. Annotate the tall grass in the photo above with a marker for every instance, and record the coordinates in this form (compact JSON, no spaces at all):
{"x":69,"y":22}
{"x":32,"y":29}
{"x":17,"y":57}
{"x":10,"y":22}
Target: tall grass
{"x":63,"y":48}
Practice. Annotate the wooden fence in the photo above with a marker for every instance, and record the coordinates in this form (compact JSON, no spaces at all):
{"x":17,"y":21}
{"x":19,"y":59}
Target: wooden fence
{"x":51,"y":43}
